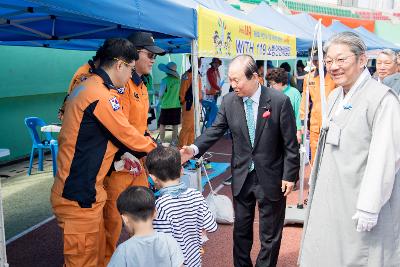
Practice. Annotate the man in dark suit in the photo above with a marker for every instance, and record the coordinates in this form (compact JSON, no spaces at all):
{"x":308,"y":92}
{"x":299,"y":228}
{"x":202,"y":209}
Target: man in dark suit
{"x":264,"y":162}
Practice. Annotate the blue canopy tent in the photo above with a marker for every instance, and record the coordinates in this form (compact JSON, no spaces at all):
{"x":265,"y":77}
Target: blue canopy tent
{"x":385,"y":44}
{"x":369,"y":41}
{"x":308,"y":23}
{"x":171,"y":45}
{"x":66,"y":24}
{"x":223,"y":7}
{"x":266,"y":16}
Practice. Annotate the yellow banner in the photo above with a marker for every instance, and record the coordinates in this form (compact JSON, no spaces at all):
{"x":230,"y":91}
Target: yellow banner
{"x":223,"y":36}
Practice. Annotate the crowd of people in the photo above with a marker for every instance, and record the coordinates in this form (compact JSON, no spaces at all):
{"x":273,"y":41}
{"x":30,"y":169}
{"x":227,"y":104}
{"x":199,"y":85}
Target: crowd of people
{"x":106,"y":156}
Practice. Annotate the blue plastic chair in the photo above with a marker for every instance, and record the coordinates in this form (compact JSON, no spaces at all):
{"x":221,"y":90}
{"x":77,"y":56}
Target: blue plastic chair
{"x":33,"y":123}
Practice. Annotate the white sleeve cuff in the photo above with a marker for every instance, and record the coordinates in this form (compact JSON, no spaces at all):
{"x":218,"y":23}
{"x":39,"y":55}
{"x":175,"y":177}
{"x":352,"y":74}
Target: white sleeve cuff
{"x":195,"y":149}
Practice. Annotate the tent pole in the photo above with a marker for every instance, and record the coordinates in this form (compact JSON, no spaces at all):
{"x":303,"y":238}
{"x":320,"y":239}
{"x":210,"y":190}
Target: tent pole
{"x":3,"y":253}
{"x":297,"y":213}
{"x":196,"y":101}
{"x":321,"y":76}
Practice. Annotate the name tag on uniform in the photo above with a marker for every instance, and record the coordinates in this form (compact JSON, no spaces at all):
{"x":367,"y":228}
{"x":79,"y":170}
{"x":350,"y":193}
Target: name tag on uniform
{"x":333,"y":136}
{"x":114,"y":103}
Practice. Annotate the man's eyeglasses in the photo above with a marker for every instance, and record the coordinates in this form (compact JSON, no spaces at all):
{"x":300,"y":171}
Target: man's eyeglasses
{"x":127,"y":64}
{"x":339,"y":61}
{"x":149,"y":54}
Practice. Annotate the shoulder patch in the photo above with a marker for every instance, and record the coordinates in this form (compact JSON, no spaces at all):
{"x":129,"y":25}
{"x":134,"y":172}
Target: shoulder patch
{"x":114,"y":103}
{"x":121,"y":90}
{"x":185,"y":76}
{"x":76,"y":91}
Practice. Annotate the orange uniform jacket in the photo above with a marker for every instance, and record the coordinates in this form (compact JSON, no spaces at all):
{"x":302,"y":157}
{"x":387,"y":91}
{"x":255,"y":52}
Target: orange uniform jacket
{"x":186,"y":136}
{"x":93,"y":127}
{"x":315,"y":96}
{"x":137,"y":103}
{"x":186,"y":83}
{"x":80,"y":75}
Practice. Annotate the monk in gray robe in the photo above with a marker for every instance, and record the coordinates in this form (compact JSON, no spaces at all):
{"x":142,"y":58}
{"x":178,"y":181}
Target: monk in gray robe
{"x":353,"y":215}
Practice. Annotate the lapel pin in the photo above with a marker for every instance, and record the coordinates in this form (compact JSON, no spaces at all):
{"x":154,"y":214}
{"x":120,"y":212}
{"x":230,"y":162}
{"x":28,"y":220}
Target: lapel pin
{"x":267,"y":113}
{"x":347,"y":106}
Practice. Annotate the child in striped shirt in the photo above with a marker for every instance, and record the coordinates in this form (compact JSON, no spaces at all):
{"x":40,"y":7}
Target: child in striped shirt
{"x":146,"y":247}
{"x":181,"y":211}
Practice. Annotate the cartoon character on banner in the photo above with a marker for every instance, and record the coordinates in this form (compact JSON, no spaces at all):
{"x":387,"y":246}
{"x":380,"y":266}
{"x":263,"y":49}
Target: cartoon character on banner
{"x":217,"y":43}
{"x":228,"y":43}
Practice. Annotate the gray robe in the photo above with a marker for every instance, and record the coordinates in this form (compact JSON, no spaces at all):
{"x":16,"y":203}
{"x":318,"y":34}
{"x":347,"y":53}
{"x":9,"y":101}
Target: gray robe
{"x":352,"y":170}
{"x":393,"y":81}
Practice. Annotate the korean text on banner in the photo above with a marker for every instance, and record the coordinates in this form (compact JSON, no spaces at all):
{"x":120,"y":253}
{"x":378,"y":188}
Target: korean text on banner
{"x":225,"y":37}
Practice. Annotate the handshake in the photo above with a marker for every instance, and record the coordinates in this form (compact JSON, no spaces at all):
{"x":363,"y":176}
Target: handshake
{"x":128,"y":163}
{"x":187,"y":153}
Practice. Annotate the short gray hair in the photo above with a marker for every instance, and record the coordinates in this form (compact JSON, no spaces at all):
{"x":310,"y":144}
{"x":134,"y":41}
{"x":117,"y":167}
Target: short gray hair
{"x":249,"y":62}
{"x":351,"y":39}
{"x":390,"y":53}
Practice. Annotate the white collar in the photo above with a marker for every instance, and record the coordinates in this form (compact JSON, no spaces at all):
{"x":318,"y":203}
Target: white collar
{"x":255,"y":97}
{"x":359,"y":80}
{"x":345,"y":99}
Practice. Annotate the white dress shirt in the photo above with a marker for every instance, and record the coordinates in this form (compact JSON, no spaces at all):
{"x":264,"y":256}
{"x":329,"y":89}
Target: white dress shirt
{"x":256,"y":101}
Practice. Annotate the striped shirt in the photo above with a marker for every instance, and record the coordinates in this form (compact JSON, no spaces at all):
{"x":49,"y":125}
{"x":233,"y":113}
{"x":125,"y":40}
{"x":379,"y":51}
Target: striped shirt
{"x":185,"y":216}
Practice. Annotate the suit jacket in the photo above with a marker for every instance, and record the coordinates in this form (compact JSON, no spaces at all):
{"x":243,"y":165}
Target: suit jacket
{"x":393,"y":81}
{"x":276,"y":151}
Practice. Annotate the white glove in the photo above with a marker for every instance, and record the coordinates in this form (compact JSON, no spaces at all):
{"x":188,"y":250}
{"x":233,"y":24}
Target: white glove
{"x":128,"y":163}
{"x":365,"y":220}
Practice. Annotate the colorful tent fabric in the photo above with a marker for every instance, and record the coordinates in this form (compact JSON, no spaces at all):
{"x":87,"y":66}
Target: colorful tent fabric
{"x":350,"y":22}
{"x":371,"y":43}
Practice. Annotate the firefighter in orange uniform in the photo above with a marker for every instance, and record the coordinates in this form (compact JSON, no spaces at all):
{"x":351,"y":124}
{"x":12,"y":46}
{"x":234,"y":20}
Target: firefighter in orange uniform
{"x":82,"y":73}
{"x":186,"y":135}
{"x":136,"y":106}
{"x":315,"y":103}
{"x":93,"y":129}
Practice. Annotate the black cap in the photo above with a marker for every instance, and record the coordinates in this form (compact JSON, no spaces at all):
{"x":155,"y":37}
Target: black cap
{"x":145,"y":40}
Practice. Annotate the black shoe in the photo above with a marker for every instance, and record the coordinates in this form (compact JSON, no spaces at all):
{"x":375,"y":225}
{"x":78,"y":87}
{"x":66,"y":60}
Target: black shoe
{"x":227,"y":181}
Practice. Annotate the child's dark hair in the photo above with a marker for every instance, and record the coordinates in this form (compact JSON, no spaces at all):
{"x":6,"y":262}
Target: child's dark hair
{"x":164,"y":163}
{"x":138,"y":202}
